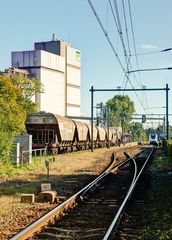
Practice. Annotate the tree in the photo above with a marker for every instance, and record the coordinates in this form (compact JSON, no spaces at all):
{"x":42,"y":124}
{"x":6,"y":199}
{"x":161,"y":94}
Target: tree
{"x":121,"y":110}
{"x":138,"y":132}
{"x":15,"y":103}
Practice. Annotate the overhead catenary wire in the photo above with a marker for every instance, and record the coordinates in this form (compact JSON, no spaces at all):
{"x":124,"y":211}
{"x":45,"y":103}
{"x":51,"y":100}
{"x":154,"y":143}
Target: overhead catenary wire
{"x":126,"y":28}
{"x":119,"y":28}
{"x":134,"y":43}
{"x":110,"y":43}
{"x":133,"y":37}
{"x":120,"y":32}
{"x":128,"y":63}
{"x":150,"y":69}
{"x":152,"y":52}
{"x":132,"y":30}
{"x":107,"y":10}
{"x":128,"y":42}
{"x":105,"y":33}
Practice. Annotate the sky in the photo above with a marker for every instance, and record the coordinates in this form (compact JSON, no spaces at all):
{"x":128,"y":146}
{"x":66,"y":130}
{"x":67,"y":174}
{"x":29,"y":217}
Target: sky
{"x":24,"y":22}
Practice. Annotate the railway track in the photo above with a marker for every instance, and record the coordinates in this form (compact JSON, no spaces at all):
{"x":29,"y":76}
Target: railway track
{"x":93,"y":212}
{"x":131,"y":225}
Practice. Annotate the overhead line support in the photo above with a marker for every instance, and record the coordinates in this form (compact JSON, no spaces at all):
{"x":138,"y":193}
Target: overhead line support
{"x":92,"y":90}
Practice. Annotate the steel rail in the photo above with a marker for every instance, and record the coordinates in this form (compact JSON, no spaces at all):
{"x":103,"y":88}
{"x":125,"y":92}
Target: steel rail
{"x":114,"y":222}
{"x":104,"y":174}
{"x":35,"y":226}
{"x":99,"y":178}
{"x":135,"y":172}
{"x":108,"y":233}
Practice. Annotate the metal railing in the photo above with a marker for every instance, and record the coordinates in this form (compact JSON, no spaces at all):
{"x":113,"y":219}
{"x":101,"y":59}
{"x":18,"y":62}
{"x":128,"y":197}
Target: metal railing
{"x":35,"y":155}
{"x":41,"y":153}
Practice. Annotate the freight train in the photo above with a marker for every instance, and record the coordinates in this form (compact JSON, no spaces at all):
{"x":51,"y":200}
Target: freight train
{"x":61,"y":134}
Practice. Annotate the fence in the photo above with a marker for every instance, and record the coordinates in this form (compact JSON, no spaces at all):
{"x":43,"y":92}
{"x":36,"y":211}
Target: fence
{"x":35,"y":155}
{"x":15,"y":153}
{"x":21,"y":157}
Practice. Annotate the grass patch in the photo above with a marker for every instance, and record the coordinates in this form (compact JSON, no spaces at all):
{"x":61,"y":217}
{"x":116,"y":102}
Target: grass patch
{"x":157,"y":213}
{"x":27,"y":178}
{"x":7,"y":170}
{"x":160,"y":161}
{"x":156,"y":234}
{"x":5,"y":202}
{"x":7,"y":190}
{"x":16,"y":188}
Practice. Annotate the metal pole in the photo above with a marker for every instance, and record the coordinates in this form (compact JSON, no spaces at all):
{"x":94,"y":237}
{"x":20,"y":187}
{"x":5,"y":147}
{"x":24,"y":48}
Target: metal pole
{"x":108,"y":123}
{"x":128,"y":90}
{"x":167,"y":111}
{"x":122,"y":126}
{"x":164,"y":123}
{"x":35,"y":156}
{"x":92,"y":143}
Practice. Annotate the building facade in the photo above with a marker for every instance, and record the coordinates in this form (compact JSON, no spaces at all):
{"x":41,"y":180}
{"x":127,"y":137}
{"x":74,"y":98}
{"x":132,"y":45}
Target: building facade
{"x":57,"y":65}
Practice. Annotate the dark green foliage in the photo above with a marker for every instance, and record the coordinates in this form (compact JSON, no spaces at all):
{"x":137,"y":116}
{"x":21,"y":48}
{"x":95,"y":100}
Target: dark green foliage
{"x":157,"y":212}
{"x":167,"y":145}
{"x":121,"y":110}
{"x":138,"y":132}
{"x":15,"y":104}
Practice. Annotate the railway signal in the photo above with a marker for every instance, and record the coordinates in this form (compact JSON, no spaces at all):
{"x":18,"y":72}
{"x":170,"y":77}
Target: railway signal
{"x":143,"y":118}
{"x":48,"y":168}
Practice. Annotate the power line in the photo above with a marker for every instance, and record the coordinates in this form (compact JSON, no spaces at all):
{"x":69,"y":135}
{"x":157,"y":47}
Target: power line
{"x":117,"y":15}
{"x":126,"y":28}
{"x":119,"y":29}
{"x":105,"y":33}
{"x":158,"y":51}
{"x":107,"y":11}
{"x":134,"y":42}
{"x":113,"y":49}
{"x":132,"y":28}
{"x":150,"y":69}
{"x":129,"y":63}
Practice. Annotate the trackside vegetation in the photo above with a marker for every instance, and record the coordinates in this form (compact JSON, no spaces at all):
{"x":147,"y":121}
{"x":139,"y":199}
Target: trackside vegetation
{"x":121,"y":110}
{"x":15,"y":103}
{"x":167,"y":145}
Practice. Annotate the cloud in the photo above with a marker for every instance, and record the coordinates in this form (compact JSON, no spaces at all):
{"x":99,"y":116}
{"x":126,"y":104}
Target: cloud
{"x":149,"y":46}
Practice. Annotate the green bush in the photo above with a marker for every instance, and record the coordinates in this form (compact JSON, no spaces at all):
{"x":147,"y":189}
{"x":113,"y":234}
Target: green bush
{"x":15,"y":104}
{"x":167,"y":145}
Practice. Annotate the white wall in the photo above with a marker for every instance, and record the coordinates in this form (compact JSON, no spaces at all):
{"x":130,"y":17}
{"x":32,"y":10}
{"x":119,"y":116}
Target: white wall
{"x":53,"y":98}
{"x":73,"y":75}
{"x":73,"y":82}
{"x":73,"y":96}
{"x":72,"y":56}
{"x":50,"y":69}
{"x":73,"y":111}
{"x":52,"y":61}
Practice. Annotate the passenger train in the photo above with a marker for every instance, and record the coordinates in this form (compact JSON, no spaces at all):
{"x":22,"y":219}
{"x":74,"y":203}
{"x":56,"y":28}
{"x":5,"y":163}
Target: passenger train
{"x":61,"y":134}
{"x":153,"y":139}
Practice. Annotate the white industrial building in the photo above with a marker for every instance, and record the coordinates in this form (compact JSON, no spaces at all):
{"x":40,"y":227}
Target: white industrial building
{"x":57,"y":65}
